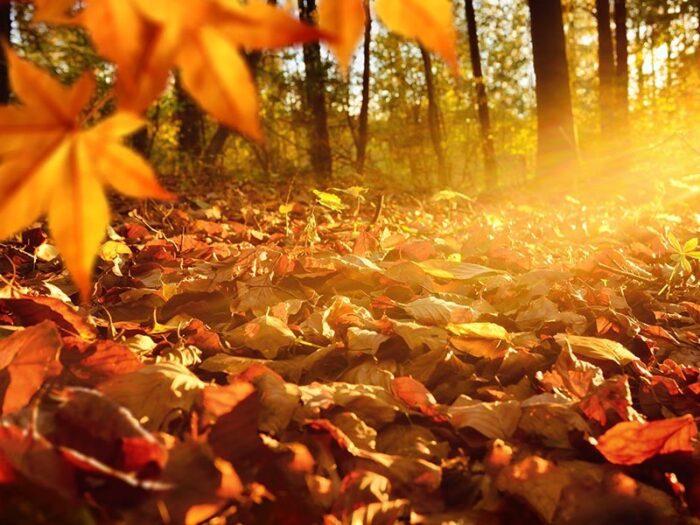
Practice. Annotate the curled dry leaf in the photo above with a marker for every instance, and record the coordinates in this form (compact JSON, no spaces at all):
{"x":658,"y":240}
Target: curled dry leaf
{"x":571,"y":375}
{"x":633,"y":442}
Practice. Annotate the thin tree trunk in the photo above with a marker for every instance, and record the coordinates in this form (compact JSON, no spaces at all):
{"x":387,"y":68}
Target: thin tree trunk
{"x":557,"y":153}
{"x":190,"y":117}
{"x":482,"y":101}
{"x":606,"y":68}
{"x":5,"y":30}
{"x":315,"y":91}
{"x":434,"y":118}
{"x":697,"y":27}
{"x":363,"y":131}
{"x":639,"y":60}
{"x":622,"y":54}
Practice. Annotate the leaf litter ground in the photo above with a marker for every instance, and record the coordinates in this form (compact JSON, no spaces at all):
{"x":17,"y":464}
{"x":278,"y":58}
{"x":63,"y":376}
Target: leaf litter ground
{"x":451,"y":362}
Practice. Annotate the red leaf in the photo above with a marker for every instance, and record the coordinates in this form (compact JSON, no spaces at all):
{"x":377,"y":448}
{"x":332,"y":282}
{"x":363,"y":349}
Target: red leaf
{"x":29,"y":357}
{"x":416,"y":396}
{"x":29,"y":311}
{"x":631,"y":443}
{"x":91,"y":425}
{"x":98,"y":361}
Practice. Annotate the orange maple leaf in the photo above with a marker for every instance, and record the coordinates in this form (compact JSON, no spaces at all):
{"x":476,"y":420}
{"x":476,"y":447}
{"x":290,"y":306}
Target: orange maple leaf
{"x":204,"y":39}
{"x":52,"y":164}
{"x":346,"y":20}
{"x":431,"y":23}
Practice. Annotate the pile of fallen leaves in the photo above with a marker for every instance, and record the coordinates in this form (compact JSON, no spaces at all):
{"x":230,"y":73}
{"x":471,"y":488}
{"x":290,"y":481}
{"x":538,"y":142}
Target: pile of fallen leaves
{"x":448,"y":362}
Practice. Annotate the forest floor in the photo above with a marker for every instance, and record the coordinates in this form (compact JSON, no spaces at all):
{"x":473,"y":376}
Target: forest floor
{"x":444,"y":361}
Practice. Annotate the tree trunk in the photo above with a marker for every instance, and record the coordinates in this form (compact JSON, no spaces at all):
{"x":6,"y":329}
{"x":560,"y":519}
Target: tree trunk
{"x":5,"y":30}
{"x":315,"y":87}
{"x":443,"y":178}
{"x":606,"y":68}
{"x":482,"y":101}
{"x":191,"y":122}
{"x":622,"y":53}
{"x":363,"y":131}
{"x":556,"y":139}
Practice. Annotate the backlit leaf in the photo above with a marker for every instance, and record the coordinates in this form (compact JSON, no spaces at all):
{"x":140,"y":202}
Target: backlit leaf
{"x":28,"y":357}
{"x":597,"y":348}
{"x":52,"y":165}
{"x":344,"y":19}
{"x":632,"y":442}
{"x":428,"y":22}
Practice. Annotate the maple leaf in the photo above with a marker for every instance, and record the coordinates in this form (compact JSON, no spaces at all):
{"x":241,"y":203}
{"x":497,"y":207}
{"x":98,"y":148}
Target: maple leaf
{"x":631,"y":443}
{"x":139,"y":47}
{"x":428,"y":22}
{"x":346,"y":20}
{"x":204,"y":40}
{"x":51,"y":164}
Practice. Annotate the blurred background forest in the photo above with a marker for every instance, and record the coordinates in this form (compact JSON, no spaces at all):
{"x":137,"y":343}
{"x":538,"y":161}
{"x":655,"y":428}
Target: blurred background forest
{"x":620,"y":96}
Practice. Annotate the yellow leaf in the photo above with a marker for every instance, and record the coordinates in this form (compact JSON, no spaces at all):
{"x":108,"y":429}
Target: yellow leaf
{"x":597,"y":348}
{"x":218,"y":78}
{"x":52,"y":165}
{"x":142,"y":49}
{"x":205,"y":38}
{"x":329,"y":200}
{"x":479,"y":331}
{"x":344,"y":19}
{"x":78,"y":214}
{"x":262,"y":26}
{"x":430,"y":23}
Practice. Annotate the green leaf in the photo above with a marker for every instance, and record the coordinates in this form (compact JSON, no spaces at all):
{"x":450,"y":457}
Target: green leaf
{"x":353,"y":191}
{"x":674,"y":242}
{"x":329,"y":200}
{"x":449,"y":195}
{"x":690,"y":245}
{"x":286,"y":209}
{"x":686,"y":265}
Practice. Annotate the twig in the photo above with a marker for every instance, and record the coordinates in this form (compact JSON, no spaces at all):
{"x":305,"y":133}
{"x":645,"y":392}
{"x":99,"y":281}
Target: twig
{"x":626,"y":273}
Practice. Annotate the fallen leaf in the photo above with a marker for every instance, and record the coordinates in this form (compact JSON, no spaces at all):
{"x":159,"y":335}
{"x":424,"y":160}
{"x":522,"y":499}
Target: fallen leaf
{"x":597,"y":348}
{"x":268,"y":335}
{"x":156,"y":394}
{"x":633,"y":442}
{"x":28,"y":357}
{"x":496,"y":420}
